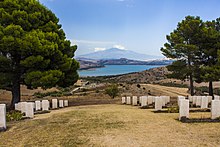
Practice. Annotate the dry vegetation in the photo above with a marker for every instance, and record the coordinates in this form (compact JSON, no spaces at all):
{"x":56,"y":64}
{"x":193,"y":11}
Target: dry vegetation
{"x":110,"y":125}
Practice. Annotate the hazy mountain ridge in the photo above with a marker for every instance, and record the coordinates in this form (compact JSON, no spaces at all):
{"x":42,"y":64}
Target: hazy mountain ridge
{"x":86,"y":63}
{"x":115,"y":53}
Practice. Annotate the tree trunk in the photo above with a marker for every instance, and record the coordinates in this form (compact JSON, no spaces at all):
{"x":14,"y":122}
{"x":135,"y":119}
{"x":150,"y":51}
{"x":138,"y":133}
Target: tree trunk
{"x":191,"y":85}
{"x":210,"y":88}
{"x":16,"y":93}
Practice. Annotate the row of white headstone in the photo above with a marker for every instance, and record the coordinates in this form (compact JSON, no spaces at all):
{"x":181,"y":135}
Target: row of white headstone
{"x":184,"y":106}
{"x":200,"y":101}
{"x":28,"y":109}
{"x":160,"y":101}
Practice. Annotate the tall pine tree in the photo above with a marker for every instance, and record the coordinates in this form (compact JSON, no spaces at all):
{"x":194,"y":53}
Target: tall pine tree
{"x":33,"y":48}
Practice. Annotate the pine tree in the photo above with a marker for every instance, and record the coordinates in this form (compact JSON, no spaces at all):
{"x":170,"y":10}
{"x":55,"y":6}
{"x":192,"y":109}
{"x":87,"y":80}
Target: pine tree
{"x":33,"y":48}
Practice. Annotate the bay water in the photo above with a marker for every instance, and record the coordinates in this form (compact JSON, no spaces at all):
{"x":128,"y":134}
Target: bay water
{"x":115,"y":70}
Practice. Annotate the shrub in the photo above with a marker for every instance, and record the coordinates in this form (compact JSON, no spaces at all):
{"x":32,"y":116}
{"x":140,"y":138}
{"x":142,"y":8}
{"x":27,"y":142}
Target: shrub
{"x":138,"y":86}
{"x":112,"y":91}
{"x":173,"y":110}
{"x":14,"y":116}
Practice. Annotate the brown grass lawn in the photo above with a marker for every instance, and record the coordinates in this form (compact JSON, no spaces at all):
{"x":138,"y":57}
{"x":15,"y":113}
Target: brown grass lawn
{"x":110,"y":125}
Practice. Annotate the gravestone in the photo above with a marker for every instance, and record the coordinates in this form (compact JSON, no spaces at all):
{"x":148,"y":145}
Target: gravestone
{"x":167,"y":99}
{"x":158,"y":103}
{"x":29,"y":110}
{"x":183,"y":108}
{"x":150,"y":100}
{"x":144,"y":101}
{"x":54,"y":103}
{"x":204,"y":102}
{"x":123,"y":100}
{"x":190,"y":98}
{"x":18,"y":106}
{"x":37,"y":105}
{"x":45,"y":105}
{"x":23,"y":107}
{"x":134,"y":100}
{"x":180,"y":98}
{"x":140,"y":99}
{"x":128,"y":100}
{"x":209,"y":99}
{"x":216,"y":97}
{"x":61,"y":103}
{"x":194,"y":100}
{"x":2,"y":117}
{"x":153,"y":99}
{"x":198,"y":101}
{"x":66,"y":103}
{"x":34,"y":106}
{"x":164,"y":100}
{"x":215,"y":109}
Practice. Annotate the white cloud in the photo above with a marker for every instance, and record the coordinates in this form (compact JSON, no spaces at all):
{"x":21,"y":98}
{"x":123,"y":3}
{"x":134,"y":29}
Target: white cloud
{"x":99,"y":49}
{"x":119,"y":46}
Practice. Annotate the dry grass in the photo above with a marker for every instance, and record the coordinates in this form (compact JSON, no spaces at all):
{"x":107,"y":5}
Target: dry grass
{"x":110,"y":125}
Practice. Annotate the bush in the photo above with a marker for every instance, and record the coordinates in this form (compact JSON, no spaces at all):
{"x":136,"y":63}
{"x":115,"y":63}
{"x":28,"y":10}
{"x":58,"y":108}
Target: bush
{"x":14,"y":116}
{"x":173,"y":110}
{"x":138,"y":86}
{"x":112,"y":91}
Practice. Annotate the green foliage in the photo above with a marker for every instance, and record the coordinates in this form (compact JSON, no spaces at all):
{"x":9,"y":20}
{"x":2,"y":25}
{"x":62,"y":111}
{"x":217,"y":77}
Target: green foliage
{"x":173,"y":110}
{"x":196,"y":46}
{"x":33,"y":48}
{"x":14,"y":116}
{"x":112,"y":90}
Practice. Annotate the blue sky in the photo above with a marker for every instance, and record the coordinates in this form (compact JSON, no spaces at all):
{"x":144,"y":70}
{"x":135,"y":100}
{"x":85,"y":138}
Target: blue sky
{"x":138,"y":25}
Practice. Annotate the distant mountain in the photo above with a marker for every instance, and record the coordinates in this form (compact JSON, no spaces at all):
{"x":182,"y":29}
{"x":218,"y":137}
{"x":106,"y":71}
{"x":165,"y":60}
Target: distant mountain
{"x":124,"y":61}
{"x":86,"y":63}
{"x":115,"y":53}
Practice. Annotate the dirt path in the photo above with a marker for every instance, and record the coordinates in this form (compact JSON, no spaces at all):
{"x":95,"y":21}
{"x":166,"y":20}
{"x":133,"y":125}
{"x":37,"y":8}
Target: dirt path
{"x":164,"y":90}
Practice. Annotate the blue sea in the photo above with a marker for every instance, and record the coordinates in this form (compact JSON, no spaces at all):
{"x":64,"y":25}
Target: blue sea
{"x":115,"y":70}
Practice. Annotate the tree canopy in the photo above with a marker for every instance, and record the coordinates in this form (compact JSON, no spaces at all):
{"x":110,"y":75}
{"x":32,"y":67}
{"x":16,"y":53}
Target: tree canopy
{"x":195,"y":45}
{"x":33,"y":48}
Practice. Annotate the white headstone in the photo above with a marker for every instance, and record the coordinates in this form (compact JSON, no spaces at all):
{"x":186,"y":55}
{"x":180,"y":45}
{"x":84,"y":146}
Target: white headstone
{"x":164,"y":100}
{"x":158,"y":103}
{"x":144,"y":101}
{"x":54,"y":103}
{"x":216,"y":97}
{"x":128,"y":100}
{"x":123,"y":100}
{"x":198,"y":101}
{"x":29,"y":110}
{"x":150,"y":100}
{"x":37,"y":105}
{"x":180,"y":98}
{"x":140,"y":99}
{"x":66,"y":103}
{"x":134,"y":100}
{"x":23,"y":107}
{"x":61,"y":103}
{"x":215,"y":109}
{"x":2,"y":117}
{"x":210,"y":99}
{"x":204,"y":102}
{"x":18,"y":106}
{"x":45,"y":105}
{"x":190,"y":98}
{"x":194,"y":100}
{"x":184,"y":108}
{"x":153,"y":99}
